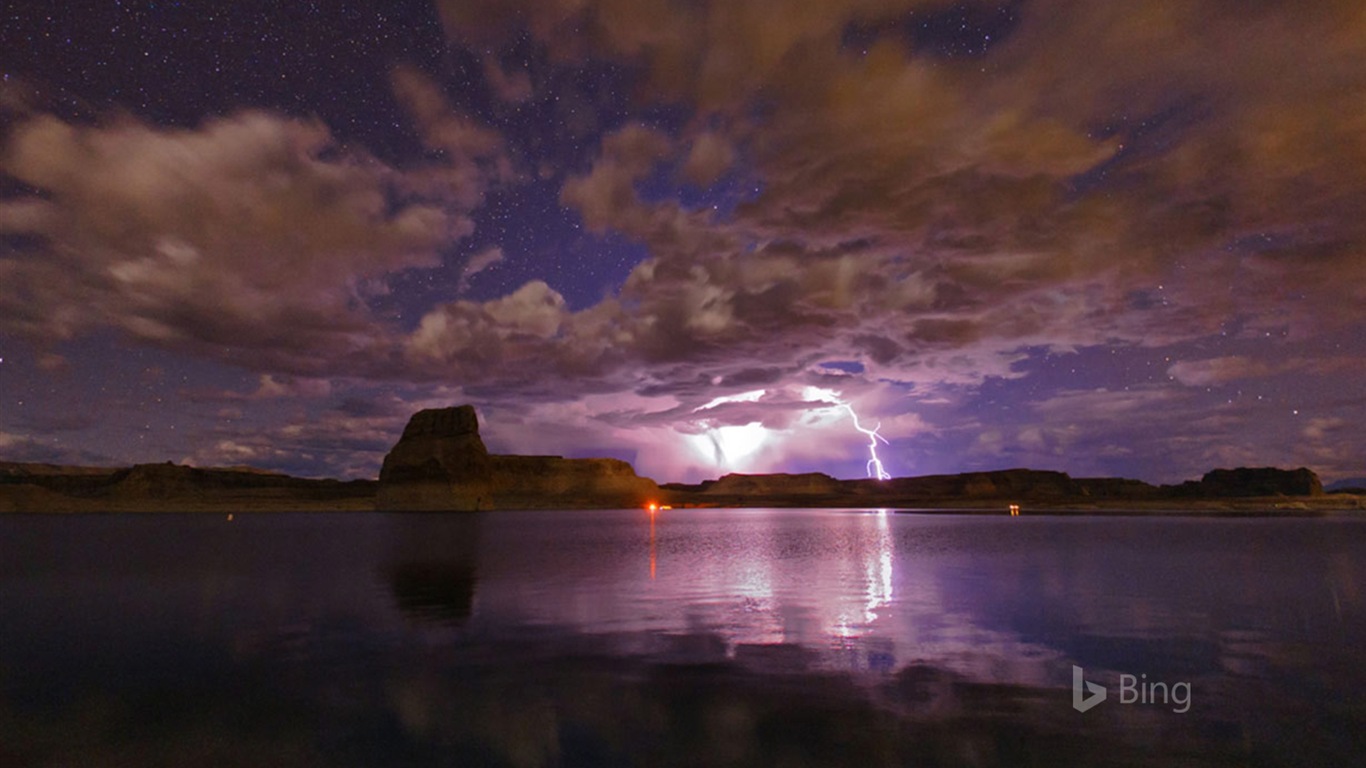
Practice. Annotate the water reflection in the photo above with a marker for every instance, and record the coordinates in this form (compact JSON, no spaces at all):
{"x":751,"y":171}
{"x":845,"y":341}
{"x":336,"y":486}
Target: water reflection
{"x":433,"y":569}
{"x":759,"y":637}
{"x":880,"y":570}
{"x":653,"y":554}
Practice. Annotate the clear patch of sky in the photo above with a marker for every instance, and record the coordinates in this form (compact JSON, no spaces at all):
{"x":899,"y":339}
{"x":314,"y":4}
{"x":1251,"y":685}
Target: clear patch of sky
{"x":952,"y":31}
{"x":178,"y":63}
{"x":847,"y":366}
{"x":1141,"y":138}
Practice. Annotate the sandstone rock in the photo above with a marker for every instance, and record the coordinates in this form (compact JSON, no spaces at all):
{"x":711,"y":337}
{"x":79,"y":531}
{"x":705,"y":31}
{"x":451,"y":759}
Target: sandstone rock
{"x":535,"y":481}
{"x":439,"y":445}
{"x":156,"y":481}
{"x":1013,"y":484}
{"x":805,"y":484}
{"x":441,"y":463}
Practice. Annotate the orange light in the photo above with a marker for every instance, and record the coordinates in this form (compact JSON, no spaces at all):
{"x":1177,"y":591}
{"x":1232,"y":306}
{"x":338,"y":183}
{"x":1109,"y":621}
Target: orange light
{"x":666,"y":506}
{"x":653,"y":507}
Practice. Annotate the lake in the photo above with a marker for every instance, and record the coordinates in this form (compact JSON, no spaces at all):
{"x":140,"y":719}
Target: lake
{"x":686,"y":637}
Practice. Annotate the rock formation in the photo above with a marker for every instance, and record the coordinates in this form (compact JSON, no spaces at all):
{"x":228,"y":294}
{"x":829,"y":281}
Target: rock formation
{"x":440,"y":463}
{"x":1009,"y":485}
{"x":1258,"y":481}
{"x":524,"y":482}
{"x":170,"y":487}
{"x":805,"y":484}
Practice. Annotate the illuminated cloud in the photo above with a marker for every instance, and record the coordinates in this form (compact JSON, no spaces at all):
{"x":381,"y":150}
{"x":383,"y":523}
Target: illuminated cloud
{"x":254,"y":237}
{"x":1173,"y":181}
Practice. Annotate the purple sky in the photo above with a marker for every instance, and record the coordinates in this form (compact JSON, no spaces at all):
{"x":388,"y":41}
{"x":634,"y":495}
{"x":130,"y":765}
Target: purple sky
{"x":1105,"y":238}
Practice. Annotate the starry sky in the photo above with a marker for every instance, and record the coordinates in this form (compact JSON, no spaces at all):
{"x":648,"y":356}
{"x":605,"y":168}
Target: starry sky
{"x":1104,"y":238}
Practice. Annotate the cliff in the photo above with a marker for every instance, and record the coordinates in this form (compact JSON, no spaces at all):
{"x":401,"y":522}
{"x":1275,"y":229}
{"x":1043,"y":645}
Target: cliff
{"x":989,"y":489}
{"x":440,"y":463}
{"x":169,"y":487}
{"x":806,"y":484}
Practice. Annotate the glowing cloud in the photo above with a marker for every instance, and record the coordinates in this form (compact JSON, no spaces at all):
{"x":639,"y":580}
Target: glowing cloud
{"x":730,"y":447}
{"x":743,"y":397}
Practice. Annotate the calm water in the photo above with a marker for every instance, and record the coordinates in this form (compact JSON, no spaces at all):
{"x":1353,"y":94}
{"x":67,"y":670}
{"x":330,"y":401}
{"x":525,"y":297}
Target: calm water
{"x":705,"y":637}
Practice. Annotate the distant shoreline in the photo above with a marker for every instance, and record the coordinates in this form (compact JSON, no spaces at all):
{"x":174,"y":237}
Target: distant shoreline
{"x":1318,"y":507}
{"x":170,"y":488}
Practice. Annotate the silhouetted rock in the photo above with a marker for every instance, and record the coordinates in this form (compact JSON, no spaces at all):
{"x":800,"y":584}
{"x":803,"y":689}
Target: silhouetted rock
{"x":805,"y":484}
{"x":1117,"y":488}
{"x":167,"y":486}
{"x":1260,"y":481}
{"x":985,"y":489}
{"x":440,"y":463}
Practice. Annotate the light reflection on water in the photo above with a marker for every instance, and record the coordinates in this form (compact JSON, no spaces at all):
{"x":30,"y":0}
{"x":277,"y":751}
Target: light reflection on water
{"x":625,"y":637}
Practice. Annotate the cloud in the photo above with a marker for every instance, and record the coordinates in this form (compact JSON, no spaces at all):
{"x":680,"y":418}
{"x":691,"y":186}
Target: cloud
{"x":1321,"y":428}
{"x":708,"y":158}
{"x":606,"y":196}
{"x":511,"y":86}
{"x":1128,"y":175}
{"x":477,"y":263}
{"x":273,"y":387}
{"x":1000,"y":179}
{"x":317,"y":439}
{"x":1218,"y":370}
{"x":1104,"y":404}
{"x":912,"y":211}
{"x":25,"y":449}
{"x":774,"y":429}
{"x":183,"y":237}
{"x":256,"y":238}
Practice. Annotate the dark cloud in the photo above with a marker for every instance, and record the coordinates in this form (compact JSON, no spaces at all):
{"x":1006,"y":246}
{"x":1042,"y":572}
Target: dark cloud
{"x":1133,"y":176}
{"x":963,"y":188}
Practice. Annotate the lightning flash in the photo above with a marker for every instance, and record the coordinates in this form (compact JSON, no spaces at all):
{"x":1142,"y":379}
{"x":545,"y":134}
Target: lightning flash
{"x":730,"y":445}
{"x":874,"y":463}
{"x":875,"y":468}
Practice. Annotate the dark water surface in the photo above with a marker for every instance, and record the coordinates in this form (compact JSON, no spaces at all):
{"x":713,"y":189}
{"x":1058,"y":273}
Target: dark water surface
{"x":696,"y":637}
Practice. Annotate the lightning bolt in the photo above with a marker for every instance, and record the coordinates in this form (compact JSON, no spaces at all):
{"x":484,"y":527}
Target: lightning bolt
{"x":874,"y":463}
{"x":875,"y":468}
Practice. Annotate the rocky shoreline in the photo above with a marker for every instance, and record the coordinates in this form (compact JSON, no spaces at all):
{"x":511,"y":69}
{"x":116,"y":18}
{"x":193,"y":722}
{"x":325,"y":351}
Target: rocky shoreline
{"x":440,"y":463}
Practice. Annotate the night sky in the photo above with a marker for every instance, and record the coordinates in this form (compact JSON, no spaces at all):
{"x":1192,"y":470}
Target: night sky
{"x":1109,"y":238}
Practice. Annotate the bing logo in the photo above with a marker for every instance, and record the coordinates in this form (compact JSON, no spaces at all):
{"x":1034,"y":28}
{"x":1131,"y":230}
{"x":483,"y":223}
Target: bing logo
{"x":1132,"y":690}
